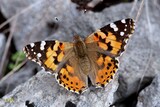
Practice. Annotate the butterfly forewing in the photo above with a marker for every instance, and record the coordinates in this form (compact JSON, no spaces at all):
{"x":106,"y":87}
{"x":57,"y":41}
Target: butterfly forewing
{"x":48,"y":54}
{"x":113,"y":37}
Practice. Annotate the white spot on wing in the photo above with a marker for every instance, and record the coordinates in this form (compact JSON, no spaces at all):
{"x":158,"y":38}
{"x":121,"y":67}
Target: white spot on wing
{"x":39,"y":55}
{"x":112,"y":25}
{"x":33,"y":60}
{"x":32,"y":45}
{"x":116,"y":29}
{"x":126,"y":40}
{"x":43,"y":43}
{"x":122,"y":33}
{"x":125,"y":29}
{"x":29,"y":57}
{"x":123,"y":21}
{"x":130,"y":35}
{"x":133,"y":27}
{"x":42,"y":48}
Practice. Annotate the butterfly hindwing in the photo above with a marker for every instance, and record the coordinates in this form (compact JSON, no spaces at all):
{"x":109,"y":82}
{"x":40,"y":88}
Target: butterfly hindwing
{"x":103,"y":68}
{"x":48,"y":54}
{"x":71,"y":77}
{"x":107,"y":67}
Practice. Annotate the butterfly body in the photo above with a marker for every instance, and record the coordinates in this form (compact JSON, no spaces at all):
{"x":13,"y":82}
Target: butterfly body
{"x":80,"y":51}
{"x":95,"y":57}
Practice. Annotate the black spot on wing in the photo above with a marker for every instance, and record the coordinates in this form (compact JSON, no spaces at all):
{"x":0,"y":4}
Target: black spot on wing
{"x":109,"y":46}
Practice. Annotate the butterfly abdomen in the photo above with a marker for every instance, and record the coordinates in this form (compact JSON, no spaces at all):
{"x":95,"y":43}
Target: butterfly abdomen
{"x":85,"y":65}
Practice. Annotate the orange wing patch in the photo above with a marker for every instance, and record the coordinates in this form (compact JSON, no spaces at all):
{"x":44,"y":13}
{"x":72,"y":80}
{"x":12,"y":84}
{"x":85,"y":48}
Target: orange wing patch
{"x":106,"y":42}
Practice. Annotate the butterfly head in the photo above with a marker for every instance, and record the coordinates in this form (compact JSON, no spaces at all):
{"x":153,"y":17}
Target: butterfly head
{"x":79,"y":46}
{"x":77,"y":38}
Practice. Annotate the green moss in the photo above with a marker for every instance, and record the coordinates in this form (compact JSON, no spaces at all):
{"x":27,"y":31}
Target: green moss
{"x":16,"y":59}
{"x":9,"y":100}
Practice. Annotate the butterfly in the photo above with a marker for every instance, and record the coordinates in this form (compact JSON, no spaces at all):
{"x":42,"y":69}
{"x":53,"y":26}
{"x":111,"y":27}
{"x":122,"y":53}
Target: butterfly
{"x":94,"y":57}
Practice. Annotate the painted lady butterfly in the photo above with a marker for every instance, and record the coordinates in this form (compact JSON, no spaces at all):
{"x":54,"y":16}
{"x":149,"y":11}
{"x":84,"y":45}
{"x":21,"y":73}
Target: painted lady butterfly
{"x":94,"y":57}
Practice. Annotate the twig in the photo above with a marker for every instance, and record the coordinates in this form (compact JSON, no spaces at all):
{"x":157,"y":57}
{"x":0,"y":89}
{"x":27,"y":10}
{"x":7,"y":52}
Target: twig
{"x":133,"y":7}
{"x":12,"y":71}
{"x":6,"y":49}
{"x":139,"y":11}
{"x":16,"y":15}
{"x":5,"y":31}
{"x":150,"y":56}
{"x":11,"y":35}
